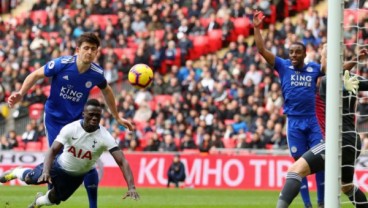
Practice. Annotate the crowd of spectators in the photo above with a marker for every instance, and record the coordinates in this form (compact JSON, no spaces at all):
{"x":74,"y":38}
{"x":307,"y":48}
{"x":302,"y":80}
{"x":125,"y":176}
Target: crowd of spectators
{"x":230,"y":100}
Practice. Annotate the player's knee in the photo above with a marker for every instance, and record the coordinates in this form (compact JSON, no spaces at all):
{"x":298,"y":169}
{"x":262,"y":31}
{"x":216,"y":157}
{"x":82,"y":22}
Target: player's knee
{"x":300,"y":167}
{"x":347,"y":188}
{"x":28,"y":180}
{"x":53,"y":198}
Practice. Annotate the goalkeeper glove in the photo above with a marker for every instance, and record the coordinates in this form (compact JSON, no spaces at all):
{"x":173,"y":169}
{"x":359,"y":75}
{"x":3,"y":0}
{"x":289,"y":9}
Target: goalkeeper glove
{"x":351,"y":84}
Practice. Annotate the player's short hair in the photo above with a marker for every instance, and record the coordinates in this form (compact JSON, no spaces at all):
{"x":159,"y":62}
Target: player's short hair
{"x":93,"y":102}
{"x":88,"y":37}
{"x":300,"y":44}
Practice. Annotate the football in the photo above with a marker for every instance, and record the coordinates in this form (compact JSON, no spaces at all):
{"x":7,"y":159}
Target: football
{"x":140,"y":76}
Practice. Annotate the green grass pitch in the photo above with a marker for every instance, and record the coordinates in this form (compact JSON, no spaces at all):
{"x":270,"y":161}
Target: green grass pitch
{"x":17,"y":197}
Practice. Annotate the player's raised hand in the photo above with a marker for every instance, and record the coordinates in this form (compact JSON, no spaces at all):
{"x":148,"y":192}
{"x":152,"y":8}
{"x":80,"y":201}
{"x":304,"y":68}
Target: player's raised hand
{"x":258,"y":18}
{"x":45,"y":177}
{"x":125,"y":123}
{"x":132,"y":193}
{"x":14,"y":99}
{"x":351,"y":84}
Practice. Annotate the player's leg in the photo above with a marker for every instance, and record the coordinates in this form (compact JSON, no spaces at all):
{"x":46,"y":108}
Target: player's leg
{"x":349,"y":156}
{"x":311,"y":162}
{"x":91,"y":185}
{"x":42,"y":200}
{"x":315,"y":138}
{"x":52,"y":129}
{"x":28,"y":175}
{"x":61,"y":191}
{"x":298,"y":145}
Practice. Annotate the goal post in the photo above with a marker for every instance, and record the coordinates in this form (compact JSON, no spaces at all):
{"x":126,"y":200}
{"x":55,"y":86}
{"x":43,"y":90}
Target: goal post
{"x":333,"y":103}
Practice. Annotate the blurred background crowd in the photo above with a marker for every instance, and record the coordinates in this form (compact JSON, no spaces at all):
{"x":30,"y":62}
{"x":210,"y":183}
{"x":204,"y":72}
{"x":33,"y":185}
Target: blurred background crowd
{"x":211,"y":88}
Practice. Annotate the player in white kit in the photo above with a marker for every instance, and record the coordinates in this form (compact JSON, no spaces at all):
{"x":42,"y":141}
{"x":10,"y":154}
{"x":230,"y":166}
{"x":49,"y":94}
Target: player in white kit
{"x":83,"y":141}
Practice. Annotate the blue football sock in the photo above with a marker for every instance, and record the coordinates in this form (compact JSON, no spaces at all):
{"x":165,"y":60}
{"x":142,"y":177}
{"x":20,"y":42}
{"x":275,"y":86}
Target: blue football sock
{"x":91,"y":185}
{"x":304,"y":192}
{"x":320,"y":180}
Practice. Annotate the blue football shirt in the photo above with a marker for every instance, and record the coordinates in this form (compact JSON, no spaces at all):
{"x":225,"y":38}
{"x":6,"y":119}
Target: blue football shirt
{"x":69,"y":88}
{"x":298,"y":86}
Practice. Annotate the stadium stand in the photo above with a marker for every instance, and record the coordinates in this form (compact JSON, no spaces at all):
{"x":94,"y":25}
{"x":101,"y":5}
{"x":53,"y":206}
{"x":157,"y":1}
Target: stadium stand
{"x":203,"y":96}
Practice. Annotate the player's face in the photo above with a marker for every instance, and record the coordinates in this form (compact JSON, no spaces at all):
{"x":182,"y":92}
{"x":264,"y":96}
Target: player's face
{"x":87,"y":52}
{"x":92,"y":116}
{"x":297,"y":55}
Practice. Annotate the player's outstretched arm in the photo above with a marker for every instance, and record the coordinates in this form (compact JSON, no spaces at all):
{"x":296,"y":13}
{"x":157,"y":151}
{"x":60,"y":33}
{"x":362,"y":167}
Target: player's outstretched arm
{"x":110,"y":101}
{"x":363,"y":54}
{"x":49,"y":159}
{"x":30,"y":80}
{"x":257,"y":22}
{"x":127,"y":172}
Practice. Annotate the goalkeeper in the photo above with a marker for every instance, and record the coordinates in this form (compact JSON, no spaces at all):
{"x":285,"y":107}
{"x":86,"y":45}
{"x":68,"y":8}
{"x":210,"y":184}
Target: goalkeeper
{"x":313,"y":160}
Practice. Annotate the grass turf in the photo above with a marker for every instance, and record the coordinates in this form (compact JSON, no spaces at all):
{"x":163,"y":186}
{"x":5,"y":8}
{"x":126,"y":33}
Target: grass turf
{"x":16,"y":197}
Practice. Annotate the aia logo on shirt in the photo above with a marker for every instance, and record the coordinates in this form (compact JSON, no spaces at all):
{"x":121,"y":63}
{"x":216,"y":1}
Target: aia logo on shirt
{"x":81,"y":154}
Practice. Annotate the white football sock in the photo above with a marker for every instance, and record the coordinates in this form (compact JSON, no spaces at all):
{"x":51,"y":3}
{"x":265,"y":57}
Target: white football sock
{"x":19,"y":172}
{"x":44,"y":200}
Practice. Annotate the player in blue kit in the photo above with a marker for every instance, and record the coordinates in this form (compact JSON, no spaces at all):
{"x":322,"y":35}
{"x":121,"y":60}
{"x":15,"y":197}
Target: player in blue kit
{"x":72,"y":78}
{"x":299,"y":86}
{"x":314,"y":159}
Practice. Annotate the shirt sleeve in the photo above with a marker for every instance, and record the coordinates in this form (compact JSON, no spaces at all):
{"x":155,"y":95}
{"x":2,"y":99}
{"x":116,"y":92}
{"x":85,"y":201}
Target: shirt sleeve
{"x":103,"y":84}
{"x":108,"y":139}
{"x":53,"y":67}
{"x":64,"y":135}
{"x":279,"y":62}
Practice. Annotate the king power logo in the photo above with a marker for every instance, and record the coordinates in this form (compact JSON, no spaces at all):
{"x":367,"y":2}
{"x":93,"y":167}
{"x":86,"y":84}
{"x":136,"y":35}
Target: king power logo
{"x":299,"y":80}
{"x":68,"y":93}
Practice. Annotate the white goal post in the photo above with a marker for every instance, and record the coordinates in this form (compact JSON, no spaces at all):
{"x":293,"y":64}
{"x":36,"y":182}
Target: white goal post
{"x":333,"y":103}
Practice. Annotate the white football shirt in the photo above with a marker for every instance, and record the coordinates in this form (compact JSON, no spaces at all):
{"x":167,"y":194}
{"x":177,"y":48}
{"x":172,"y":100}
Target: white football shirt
{"x":82,"y":149}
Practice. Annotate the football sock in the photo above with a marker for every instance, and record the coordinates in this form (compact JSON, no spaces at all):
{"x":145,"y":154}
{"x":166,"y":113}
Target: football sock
{"x":358,"y":198}
{"x":44,"y":200}
{"x":290,"y":190}
{"x":320,"y":180}
{"x":304,"y":192}
{"x":21,"y":172}
{"x":91,"y":185}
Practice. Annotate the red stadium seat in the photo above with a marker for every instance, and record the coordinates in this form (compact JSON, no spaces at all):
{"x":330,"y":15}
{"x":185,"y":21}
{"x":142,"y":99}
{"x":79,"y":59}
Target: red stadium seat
{"x":215,"y":38}
{"x":229,"y":121}
{"x":177,"y":61}
{"x":95,"y":92}
{"x":39,"y":14}
{"x":162,"y":98}
{"x":46,"y":90}
{"x":73,"y":12}
{"x":130,"y":53}
{"x":185,"y":11}
{"x":241,"y":26}
{"x":177,"y":142}
{"x":271,"y":19}
{"x":160,"y":34}
{"x":205,"y":22}
{"x":34,"y":146}
{"x":112,"y":17}
{"x":200,"y":46}
{"x":98,"y":18}
{"x":35,"y":111}
{"x":45,"y":143}
{"x":302,"y":5}
{"x":229,"y":143}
